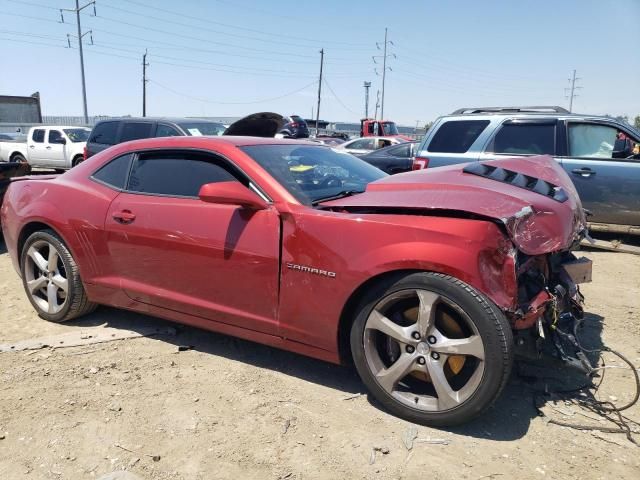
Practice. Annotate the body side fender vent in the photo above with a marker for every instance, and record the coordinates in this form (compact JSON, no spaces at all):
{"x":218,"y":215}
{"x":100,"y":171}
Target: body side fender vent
{"x":517,"y":179}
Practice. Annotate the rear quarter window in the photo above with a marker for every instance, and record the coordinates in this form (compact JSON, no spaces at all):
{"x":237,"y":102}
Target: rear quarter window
{"x":114,"y":173}
{"x":456,"y":136}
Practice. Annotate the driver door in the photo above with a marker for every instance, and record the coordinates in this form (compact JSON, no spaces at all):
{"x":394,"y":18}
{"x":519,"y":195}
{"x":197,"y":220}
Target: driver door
{"x":608,"y":187}
{"x":56,"y":148}
{"x":172,"y":250}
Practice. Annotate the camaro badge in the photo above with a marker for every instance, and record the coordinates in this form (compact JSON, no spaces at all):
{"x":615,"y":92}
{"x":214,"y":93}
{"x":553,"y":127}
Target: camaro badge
{"x":316,"y":271}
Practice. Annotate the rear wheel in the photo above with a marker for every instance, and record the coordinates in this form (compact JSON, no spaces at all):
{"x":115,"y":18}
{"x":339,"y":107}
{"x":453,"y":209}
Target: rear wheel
{"x":51,"y":278}
{"x":431,"y":349}
{"x":76,"y":160}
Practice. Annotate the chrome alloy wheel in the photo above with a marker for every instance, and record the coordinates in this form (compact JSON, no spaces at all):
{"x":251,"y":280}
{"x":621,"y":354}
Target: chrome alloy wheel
{"x":424,"y":350}
{"x":46,"y":277}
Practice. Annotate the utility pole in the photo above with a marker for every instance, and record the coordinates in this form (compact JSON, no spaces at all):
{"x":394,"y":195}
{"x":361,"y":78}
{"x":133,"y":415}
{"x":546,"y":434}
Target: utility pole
{"x":77,"y":11}
{"x":144,"y":83}
{"x":319,"y":90}
{"x":384,"y":72}
{"x":375,"y":117}
{"x":384,"y":67}
{"x":572,"y":89}
{"x":367,"y":86}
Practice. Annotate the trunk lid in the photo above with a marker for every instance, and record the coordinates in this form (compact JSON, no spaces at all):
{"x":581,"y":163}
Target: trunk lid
{"x":531,"y":196}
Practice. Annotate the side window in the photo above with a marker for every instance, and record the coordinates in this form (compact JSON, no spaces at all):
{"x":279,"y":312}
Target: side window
{"x":523,"y":138}
{"x":456,"y":136}
{"x":591,"y":140}
{"x":55,"y":136}
{"x":166,"y":131}
{"x":115,"y":172}
{"x":401,"y":151}
{"x":105,"y":133}
{"x":364,"y":144}
{"x":135,"y":131}
{"x":176,"y":174}
{"x":38,"y":135}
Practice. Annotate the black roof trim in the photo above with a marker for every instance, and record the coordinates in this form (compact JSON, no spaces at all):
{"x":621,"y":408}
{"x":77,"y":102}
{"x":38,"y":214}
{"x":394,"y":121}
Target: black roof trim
{"x":530,"y":109}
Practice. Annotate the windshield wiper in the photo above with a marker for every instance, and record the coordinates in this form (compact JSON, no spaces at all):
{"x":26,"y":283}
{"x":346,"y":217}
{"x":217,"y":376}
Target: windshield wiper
{"x":336,"y":196}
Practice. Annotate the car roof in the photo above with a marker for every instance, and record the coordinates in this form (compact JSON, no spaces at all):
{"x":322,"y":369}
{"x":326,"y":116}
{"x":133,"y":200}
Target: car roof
{"x":211,"y":141}
{"x":488,"y":113}
{"x":160,"y":119}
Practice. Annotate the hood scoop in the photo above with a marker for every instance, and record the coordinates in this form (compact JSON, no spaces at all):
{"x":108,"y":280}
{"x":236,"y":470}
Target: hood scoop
{"x":517,"y":179}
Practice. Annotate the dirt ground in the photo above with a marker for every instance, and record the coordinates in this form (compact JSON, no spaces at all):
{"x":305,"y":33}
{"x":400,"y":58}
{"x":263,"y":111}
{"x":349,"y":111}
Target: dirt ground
{"x":233,"y":409}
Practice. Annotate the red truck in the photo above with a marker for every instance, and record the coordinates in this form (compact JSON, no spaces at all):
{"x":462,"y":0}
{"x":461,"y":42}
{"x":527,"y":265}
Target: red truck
{"x":370,"y":127}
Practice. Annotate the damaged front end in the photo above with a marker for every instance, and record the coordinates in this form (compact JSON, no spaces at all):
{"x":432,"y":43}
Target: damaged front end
{"x":549,"y":310}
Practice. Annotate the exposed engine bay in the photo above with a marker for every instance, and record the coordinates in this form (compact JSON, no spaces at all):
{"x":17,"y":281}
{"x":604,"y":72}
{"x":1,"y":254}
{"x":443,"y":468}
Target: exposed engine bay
{"x":550,"y":306}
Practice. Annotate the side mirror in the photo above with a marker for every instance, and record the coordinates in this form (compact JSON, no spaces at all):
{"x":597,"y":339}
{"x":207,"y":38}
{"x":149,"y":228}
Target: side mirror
{"x":622,"y":148}
{"x":231,"y":193}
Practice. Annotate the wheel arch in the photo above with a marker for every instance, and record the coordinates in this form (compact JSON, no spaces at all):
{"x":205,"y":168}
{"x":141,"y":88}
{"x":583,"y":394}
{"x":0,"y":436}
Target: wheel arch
{"x":14,"y":153}
{"x":32,"y":227}
{"x":347,"y":316}
{"x":76,"y":159}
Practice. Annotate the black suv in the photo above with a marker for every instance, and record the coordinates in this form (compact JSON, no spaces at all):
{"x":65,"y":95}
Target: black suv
{"x":113,"y":131}
{"x":295,"y":127}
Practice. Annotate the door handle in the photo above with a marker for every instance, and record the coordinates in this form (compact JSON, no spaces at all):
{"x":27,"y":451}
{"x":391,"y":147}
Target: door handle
{"x":48,"y":148}
{"x":124,"y":217}
{"x":585,"y":172}
{"x":32,"y":146}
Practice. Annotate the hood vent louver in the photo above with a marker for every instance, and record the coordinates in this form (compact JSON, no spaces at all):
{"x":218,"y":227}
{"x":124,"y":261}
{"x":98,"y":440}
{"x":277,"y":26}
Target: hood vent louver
{"x":517,"y":180}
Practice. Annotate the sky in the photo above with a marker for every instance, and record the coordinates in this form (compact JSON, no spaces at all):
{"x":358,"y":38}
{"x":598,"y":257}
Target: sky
{"x":233,"y":58}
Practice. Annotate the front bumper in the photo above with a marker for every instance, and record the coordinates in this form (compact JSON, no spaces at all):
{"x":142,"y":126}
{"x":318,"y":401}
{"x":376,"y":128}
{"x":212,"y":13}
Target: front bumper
{"x":551,"y":318}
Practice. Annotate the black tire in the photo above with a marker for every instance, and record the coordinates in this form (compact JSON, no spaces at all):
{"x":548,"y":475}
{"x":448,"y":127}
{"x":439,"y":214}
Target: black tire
{"x":76,"y":160}
{"x":491,"y":325}
{"x":18,"y":158}
{"x":76,"y":302}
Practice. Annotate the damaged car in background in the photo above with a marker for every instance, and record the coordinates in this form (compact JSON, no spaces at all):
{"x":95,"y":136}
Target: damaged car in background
{"x":421,"y":279}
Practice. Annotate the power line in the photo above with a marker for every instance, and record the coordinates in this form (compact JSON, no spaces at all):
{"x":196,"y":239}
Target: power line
{"x":34,"y":43}
{"x":206,"y":100}
{"x":338,"y":99}
{"x":159,"y":44}
{"x":173,"y":21}
{"x":262,"y":32}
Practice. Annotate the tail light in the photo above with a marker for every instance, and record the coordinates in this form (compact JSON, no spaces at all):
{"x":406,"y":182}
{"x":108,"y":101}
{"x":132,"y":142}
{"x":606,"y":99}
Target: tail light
{"x":420,"y":163}
{"x":294,"y":125}
{"x":84,"y":153}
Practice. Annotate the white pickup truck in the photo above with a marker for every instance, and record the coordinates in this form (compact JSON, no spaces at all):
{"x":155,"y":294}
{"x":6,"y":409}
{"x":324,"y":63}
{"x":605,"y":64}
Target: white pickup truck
{"x":49,"y":147}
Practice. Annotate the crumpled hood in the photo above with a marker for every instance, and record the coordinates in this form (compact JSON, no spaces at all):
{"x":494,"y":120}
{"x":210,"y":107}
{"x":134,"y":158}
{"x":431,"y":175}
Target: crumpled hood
{"x":263,"y":124}
{"x":542,"y":215}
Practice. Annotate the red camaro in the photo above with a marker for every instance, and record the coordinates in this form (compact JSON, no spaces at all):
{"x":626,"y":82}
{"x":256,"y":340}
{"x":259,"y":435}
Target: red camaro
{"x":421,"y":279}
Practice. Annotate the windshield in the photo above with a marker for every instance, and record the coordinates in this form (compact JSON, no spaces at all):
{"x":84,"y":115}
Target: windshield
{"x":390,"y":128}
{"x":197,"y":129}
{"x":312,"y":173}
{"x":77,"y":134}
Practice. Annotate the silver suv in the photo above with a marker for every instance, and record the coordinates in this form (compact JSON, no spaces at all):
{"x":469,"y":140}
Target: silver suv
{"x":600,"y":154}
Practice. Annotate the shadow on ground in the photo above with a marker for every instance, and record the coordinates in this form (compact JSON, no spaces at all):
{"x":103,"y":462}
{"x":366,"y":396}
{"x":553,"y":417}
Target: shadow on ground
{"x":507,"y":420}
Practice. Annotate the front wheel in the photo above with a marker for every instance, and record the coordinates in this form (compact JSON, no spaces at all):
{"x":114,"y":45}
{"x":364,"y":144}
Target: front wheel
{"x":431,"y":349}
{"x":51,"y":278}
{"x":18,"y":158}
